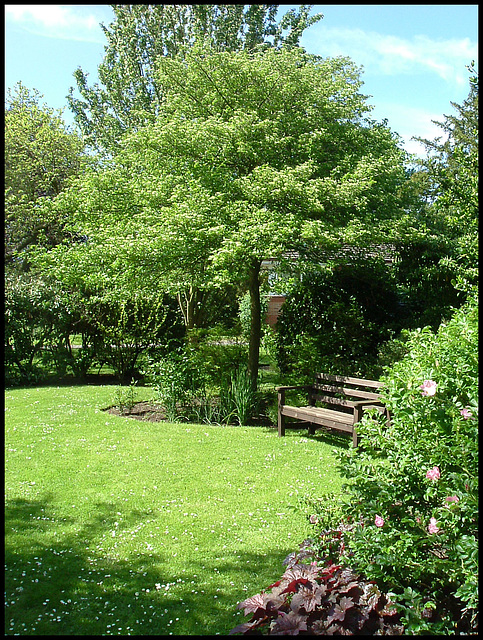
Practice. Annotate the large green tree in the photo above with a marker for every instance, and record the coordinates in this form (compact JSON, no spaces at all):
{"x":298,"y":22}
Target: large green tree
{"x":444,"y":247}
{"x":40,"y":157}
{"x":253,"y":153}
{"x":128,"y":93}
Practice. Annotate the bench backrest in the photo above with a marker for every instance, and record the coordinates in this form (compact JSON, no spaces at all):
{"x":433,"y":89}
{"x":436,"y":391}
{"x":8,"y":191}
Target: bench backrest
{"x":342,"y":390}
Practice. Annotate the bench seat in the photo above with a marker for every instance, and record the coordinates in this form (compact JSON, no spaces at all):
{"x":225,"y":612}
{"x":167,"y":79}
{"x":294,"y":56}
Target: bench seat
{"x":344,"y":399}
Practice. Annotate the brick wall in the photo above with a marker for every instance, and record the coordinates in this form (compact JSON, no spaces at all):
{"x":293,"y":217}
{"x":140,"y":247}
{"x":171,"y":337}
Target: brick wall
{"x":274,"y":305}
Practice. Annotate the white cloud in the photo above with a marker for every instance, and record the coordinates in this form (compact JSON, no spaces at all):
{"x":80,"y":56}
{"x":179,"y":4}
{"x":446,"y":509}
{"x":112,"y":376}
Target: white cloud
{"x":411,"y":122}
{"x":392,"y":55}
{"x":67,"y":22}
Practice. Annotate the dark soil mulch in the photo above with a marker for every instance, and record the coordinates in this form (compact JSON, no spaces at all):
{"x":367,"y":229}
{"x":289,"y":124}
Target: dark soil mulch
{"x":147,"y":411}
{"x":151,"y":412}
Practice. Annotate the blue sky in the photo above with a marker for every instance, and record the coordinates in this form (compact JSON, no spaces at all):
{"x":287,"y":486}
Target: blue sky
{"x":413,"y":56}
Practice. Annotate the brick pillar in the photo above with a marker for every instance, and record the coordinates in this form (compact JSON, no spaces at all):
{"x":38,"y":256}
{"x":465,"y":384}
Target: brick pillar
{"x":274,"y":305}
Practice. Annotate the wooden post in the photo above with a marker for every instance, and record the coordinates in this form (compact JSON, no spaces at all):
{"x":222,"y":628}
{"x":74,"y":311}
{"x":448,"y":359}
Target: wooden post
{"x":281,"y":418}
{"x":357,"y":417}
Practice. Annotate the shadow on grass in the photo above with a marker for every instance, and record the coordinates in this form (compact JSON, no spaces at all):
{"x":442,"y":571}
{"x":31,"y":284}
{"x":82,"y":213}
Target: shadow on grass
{"x":73,"y":587}
{"x":328,"y":436}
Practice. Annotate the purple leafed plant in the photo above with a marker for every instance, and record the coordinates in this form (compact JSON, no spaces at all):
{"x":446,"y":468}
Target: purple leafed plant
{"x":320,"y":598}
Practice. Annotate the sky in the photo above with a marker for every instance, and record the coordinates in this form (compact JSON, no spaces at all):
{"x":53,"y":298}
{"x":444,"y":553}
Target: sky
{"x":413,"y":57}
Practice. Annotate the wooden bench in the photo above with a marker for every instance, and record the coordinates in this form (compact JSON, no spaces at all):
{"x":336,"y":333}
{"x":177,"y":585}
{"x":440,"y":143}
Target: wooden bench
{"x":343,"y":401}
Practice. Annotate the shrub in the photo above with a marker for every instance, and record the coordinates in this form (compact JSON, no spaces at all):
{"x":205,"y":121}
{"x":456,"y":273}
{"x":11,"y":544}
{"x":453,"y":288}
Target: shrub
{"x":244,"y":398}
{"x":38,"y":317}
{"x":412,"y":487}
{"x":177,"y":382}
{"x":216,"y":353}
{"x":336,"y":320}
{"x":129,"y":326}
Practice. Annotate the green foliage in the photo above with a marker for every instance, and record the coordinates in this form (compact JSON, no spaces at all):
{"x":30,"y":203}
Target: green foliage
{"x":129,"y":327}
{"x":40,"y":158}
{"x":441,"y":246}
{"x":245,"y":314}
{"x":413,"y":486}
{"x":194,"y":387}
{"x":126,"y":398}
{"x":177,"y":382}
{"x":129,"y":95}
{"x":216,"y":353}
{"x":38,"y":318}
{"x":335,"y":320}
{"x":225,"y":176}
{"x":243,"y":395}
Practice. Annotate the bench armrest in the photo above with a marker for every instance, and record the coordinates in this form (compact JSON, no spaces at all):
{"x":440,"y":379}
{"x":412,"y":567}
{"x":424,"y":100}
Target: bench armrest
{"x":281,"y":392}
{"x":305,"y":387}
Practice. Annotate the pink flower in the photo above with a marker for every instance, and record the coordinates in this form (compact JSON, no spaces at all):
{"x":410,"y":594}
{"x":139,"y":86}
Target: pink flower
{"x":452,"y":499}
{"x":433,"y":527}
{"x":433,"y":474}
{"x":418,"y":519}
{"x":428,"y":388}
{"x":313,"y":519}
{"x":466,"y":413}
{"x":379,"y":521}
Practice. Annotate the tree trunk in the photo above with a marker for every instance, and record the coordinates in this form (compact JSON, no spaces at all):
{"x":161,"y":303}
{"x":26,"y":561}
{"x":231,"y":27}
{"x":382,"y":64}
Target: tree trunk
{"x":255,"y":323}
{"x":190,"y":304}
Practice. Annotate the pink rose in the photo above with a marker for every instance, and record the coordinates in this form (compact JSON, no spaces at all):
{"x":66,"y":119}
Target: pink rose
{"x":428,"y":388}
{"x":433,"y":527}
{"x":466,"y":413}
{"x":433,"y":474}
{"x":452,"y":499}
{"x":379,"y":521}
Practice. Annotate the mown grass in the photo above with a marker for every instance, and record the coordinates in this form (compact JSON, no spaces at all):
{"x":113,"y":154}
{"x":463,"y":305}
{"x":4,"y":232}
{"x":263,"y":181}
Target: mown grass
{"x":117,"y":526}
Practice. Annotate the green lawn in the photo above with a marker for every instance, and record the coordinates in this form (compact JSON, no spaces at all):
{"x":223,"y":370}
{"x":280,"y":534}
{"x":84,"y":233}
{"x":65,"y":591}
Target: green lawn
{"x":116,"y":526}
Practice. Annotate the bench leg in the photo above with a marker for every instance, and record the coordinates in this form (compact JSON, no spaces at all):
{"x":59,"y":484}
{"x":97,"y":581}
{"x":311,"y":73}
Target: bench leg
{"x":354,"y":438}
{"x":311,"y":430}
{"x":281,"y":424}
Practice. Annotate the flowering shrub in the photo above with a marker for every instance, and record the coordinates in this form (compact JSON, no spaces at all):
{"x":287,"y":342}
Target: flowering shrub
{"x":412,"y":487}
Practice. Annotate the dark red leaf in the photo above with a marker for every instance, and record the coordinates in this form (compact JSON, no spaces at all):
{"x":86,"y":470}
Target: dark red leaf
{"x":292,"y":587}
{"x":275,"y":584}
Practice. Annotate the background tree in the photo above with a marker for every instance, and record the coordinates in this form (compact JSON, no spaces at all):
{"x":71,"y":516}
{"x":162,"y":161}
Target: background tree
{"x":128,"y":95}
{"x":252,"y":153}
{"x":40,"y":157}
{"x":444,"y":247}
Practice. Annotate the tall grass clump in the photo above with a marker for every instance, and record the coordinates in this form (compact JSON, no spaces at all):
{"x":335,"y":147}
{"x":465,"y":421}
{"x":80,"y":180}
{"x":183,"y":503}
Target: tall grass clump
{"x":184,"y":385}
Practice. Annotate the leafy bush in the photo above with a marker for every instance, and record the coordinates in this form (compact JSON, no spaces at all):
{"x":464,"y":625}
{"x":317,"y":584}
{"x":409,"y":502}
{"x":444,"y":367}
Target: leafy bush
{"x":177,"y":382}
{"x":38,"y":317}
{"x":244,"y":398}
{"x":412,"y":487}
{"x":183,"y":386}
{"x":216,"y":353}
{"x":336,"y":320}
{"x":129,"y":326}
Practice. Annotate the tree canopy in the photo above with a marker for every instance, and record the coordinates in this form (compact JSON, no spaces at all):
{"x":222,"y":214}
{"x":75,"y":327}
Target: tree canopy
{"x":40,"y":157}
{"x":128,"y":95}
{"x":253,"y":153}
{"x":440,"y":256}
